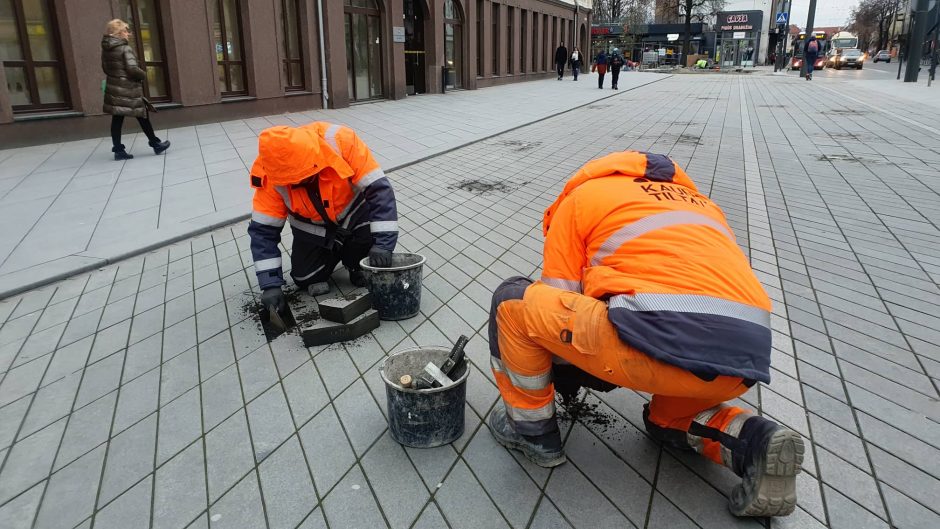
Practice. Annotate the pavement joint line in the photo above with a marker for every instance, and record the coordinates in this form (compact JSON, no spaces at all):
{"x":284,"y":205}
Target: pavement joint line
{"x":121,"y":255}
{"x":916,"y":123}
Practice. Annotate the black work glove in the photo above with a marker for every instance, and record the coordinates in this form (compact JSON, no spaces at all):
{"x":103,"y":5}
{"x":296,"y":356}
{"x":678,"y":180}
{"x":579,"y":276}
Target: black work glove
{"x":273,"y":298}
{"x":380,"y":257}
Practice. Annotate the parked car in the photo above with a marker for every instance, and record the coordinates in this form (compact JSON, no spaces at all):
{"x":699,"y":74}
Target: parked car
{"x":796,"y":63}
{"x":848,"y":59}
{"x":883,"y":55}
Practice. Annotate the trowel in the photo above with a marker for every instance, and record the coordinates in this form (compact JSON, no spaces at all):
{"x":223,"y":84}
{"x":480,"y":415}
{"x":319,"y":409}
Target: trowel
{"x":276,"y":322}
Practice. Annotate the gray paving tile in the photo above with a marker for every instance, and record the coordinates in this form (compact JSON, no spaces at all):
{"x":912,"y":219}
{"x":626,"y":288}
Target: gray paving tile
{"x":907,"y":513}
{"x":178,"y":375}
{"x":351,"y":503}
{"x":100,"y":379}
{"x":138,"y":398}
{"x":240,"y":507}
{"x":130,"y":457}
{"x":905,"y":477}
{"x":846,"y":514}
{"x":336,"y":369}
{"x":228,"y":454}
{"x":11,"y":416}
{"x":87,"y":428}
{"x":270,"y":421}
{"x":30,"y":461}
{"x":697,"y":500}
{"x":51,"y":404}
{"x":142,"y":357}
{"x":397,"y":485}
{"x":215,"y":354}
{"x":664,"y":514}
{"x":314,"y":521}
{"x":257,"y":371}
{"x":180,"y":424}
{"x":327,"y":449}
{"x":548,"y":517}
{"x":221,"y":396}
{"x":306,"y":394}
{"x":178,"y":338}
{"x":20,"y":512}
{"x":285,"y":481}
{"x":22,"y":380}
{"x":180,"y":489}
{"x":511,"y":489}
{"x":464,"y":503}
{"x":360,"y":415}
{"x":131,"y":509}
{"x":70,"y":495}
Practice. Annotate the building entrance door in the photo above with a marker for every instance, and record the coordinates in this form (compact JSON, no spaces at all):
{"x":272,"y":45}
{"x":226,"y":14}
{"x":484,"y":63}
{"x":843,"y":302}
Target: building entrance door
{"x":415,"y":53}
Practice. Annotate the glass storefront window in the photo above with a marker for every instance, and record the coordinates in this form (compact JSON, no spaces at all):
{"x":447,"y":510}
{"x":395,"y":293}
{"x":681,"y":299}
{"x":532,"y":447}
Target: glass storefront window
{"x":147,"y":41}
{"x":292,"y":52}
{"x":453,"y":44}
{"x":363,"y":50}
{"x":29,"y":53}
{"x":227,"y":30}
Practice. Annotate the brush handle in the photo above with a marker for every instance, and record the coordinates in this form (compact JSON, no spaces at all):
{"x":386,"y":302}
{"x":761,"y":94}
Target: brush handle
{"x":456,"y":356}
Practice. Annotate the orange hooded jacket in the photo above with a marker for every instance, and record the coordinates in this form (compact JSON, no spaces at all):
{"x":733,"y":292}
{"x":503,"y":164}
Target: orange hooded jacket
{"x":631,"y":228}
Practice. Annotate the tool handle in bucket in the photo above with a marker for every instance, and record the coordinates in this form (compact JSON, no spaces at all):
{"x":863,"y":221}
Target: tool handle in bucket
{"x":456,"y":356}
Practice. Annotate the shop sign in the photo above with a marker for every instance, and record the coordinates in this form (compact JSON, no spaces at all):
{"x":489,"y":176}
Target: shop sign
{"x":739,"y":35}
{"x":672,"y":36}
{"x":398,"y":33}
{"x":740,"y":21}
{"x":606,"y":30}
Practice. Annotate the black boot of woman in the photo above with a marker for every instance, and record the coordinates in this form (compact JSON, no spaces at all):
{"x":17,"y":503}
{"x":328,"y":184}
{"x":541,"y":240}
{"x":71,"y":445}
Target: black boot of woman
{"x":124,"y":92}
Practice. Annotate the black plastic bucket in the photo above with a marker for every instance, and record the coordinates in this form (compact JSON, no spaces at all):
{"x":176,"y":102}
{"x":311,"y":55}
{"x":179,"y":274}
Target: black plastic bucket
{"x":429,"y":417}
{"x":396,"y":291}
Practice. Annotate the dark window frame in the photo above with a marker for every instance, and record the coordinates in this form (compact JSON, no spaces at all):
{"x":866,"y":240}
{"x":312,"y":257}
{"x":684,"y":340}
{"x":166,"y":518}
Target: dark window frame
{"x":29,"y":65}
{"x":227,"y":63}
{"x":348,"y":11}
{"x":510,"y":63}
{"x":480,"y":42}
{"x":495,"y":36}
{"x":523,"y":28}
{"x":139,"y":50}
{"x":287,"y":61}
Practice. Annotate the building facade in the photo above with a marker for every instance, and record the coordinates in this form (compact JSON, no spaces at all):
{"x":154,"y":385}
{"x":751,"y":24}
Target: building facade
{"x":210,"y":60}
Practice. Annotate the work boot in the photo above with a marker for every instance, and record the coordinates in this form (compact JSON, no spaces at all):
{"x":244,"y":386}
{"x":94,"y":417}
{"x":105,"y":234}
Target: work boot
{"x":764,"y":454}
{"x":543,"y":450}
{"x":120,"y":153}
{"x":318,"y":289}
{"x":358,"y":278}
{"x":159,"y":146}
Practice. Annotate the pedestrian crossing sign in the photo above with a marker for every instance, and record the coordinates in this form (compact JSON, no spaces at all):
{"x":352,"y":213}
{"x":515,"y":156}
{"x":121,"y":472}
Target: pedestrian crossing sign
{"x":782,"y":18}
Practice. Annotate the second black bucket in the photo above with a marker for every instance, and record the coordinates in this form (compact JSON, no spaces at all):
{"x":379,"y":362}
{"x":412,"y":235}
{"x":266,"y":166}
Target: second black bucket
{"x":396,"y":290}
{"x":429,"y":417}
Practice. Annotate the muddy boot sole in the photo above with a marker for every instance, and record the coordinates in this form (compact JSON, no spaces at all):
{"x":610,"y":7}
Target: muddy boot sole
{"x":769,"y":489}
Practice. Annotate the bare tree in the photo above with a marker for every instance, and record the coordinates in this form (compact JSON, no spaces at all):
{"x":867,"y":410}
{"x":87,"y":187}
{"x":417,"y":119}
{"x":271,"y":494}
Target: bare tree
{"x":686,"y":11}
{"x":873,"y":19}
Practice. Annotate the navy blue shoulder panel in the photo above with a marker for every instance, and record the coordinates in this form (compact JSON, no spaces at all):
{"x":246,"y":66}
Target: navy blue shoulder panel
{"x":659,"y":168}
{"x":705,"y":344}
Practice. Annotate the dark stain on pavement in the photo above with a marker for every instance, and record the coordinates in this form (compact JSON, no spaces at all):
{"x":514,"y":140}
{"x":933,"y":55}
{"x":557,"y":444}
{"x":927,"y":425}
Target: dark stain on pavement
{"x":481,"y":187}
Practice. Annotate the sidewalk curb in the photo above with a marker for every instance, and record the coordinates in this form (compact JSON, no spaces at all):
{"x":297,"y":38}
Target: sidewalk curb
{"x":122,"y":255}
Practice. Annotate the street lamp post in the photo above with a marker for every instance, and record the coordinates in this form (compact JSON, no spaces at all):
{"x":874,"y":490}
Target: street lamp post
{"x":915,"y":43}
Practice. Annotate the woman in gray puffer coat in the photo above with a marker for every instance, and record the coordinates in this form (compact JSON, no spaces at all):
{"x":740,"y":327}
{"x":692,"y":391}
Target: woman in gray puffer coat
{"x":124,"y":92}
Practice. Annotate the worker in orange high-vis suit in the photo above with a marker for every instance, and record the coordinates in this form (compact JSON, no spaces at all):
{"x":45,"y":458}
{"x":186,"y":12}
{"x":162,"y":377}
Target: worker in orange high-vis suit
{"x":341,"y":207}
{"x":644,"y":287}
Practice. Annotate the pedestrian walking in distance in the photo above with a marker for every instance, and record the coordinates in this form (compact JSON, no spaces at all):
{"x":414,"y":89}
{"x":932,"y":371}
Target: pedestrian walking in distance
{"x":600,"y":65}
{"x":643,"y":287}
{"x":615,"y":61}
{"x":561,"y":58}
{"x":576,"y":62}
{"x":810,"y":55}
{"x":124,"y":90}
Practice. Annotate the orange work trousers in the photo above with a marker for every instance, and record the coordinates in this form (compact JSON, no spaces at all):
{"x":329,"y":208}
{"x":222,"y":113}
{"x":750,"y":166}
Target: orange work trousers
{"x":552,"y":322}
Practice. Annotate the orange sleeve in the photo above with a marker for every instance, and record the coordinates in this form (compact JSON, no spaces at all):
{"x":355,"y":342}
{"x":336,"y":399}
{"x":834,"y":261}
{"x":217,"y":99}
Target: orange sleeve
{"x":357,"y":154}
{"x":565,"y":251}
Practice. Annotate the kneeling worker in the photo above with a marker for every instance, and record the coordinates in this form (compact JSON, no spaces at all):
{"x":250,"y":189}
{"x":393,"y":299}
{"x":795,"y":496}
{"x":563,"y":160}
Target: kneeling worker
{"x":323,"y":180}
{"x":644,"y":287}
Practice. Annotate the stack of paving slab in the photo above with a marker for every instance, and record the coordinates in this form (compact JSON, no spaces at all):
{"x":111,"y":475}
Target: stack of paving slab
{"x":342,"y":319}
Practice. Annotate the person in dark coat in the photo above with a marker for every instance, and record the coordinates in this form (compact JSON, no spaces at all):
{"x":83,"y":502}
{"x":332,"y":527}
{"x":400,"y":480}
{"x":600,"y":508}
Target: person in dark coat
{"x":600,"y":64}
{"x":561,"y":58}
{"x":615,"y":62}
{"x":810,"y":55}
{"x":124,"y":91}
{"x":576,"y":60}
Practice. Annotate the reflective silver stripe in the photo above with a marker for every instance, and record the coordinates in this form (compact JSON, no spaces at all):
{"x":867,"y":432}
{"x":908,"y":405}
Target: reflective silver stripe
{"x":651,"y":223}
{"x":564,"y":284}
{"x":351,"y":208}
{"x":312,"y":229}
{"x":539,"y":414}
{"x":696,"y":442}
{"x":693,"y":303}
{"x":383,"y":225}
{"x":267,"y":264}
{"x":267,"y":220}
{"x":370,"y":178}
{"x":285,"y":195}
{"x":522,"y":381}
{"x":311,"y":274}
{"x":330,"y":137}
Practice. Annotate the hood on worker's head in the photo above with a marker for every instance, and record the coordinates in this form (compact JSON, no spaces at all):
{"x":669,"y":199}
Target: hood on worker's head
{"x":641,"y":165}
{"x":290,"y":155}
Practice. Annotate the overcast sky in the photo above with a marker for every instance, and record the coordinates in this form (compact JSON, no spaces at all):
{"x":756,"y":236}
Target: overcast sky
{"x":828,"y":12}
